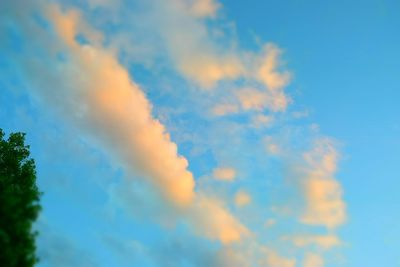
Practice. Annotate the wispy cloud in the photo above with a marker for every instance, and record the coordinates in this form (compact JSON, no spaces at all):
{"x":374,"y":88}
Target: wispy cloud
{"x":110,"y":97}
{"x":222,"y":225}
{"x":203,"y":8}
{"x":224,"y":173}
{"x":102,"y":101}
{"x":313,"y":260}
{"x":323,"y":193}
{"x":321,"y":241}
{"x":242,"y":199}
{"x":81,"y":73}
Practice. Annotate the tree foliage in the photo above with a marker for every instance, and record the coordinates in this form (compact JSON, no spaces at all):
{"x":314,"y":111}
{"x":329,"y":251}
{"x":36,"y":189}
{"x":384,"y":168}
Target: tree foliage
{"x":19,"y":202}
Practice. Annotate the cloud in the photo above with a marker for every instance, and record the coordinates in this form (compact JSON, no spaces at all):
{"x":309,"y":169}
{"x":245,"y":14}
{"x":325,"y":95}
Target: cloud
{"x":251,"y":253}
{"x":172,"y":250}
{"x":253,"y":99}
{"x":268,"y":69}
{"x":224,"y":109}
{"x":224,"y":174}
{"x":205,"y":54}
{"x":110,"y":99}
{"x":273,"y":259}
{"x":322,"y":241}
{"x":221,"y":225}
{"x":324,"y":203}
{"x":86,"y":83}
{"x":271,"y":146}
{"x":313,"y":260}
{"x":187,"y":41}
{"x":231,"y":257}
{"x":142,"y":141}
{"x":57,"y":250}
{"x":208,"y":70}
{"x":269,"y":223}
{"x":103,"y":3}
{"x":96,"y":93}
{"x":323,"y":193}
{"x":264,"y":68}
{"x":242,"y":199}
{"x":204,"y":8}
{"x":262,"y":121}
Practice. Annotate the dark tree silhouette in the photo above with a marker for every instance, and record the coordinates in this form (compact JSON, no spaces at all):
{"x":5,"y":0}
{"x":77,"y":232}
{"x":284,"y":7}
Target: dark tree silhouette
{"x":19,"y":202}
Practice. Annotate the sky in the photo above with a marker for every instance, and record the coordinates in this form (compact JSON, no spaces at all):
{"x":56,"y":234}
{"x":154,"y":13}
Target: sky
{"x":214,"y":133}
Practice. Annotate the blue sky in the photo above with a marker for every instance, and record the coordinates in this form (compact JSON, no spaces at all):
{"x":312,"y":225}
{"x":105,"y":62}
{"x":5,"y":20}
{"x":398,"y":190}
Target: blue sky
{"x":208,"y":133}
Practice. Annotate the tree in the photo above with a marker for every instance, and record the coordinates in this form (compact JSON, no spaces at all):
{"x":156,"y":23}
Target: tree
{"x":19,"y":202}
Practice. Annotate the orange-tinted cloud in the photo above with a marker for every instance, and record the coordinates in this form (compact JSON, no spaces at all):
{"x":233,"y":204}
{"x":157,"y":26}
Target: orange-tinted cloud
{"x":325,"y":205}
{"x":116,"y":111}
{"x":212,"y":220}
{"x":207,"y":70}
{"x":224,"y":173}
{"x":120,"y":114}
{"x":204,"y":8}
{"x":253,"y":99}
{"x":322,"y":241}
{"x":262,"y":121}
{"x":242,"y":199}
{"x":268,"y":69}
{"x":224,"y":109}
{"x":271,"y":146}
{"x":313,"y":260}
{"x":273,"y":259}
{"x":323,"y":193}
